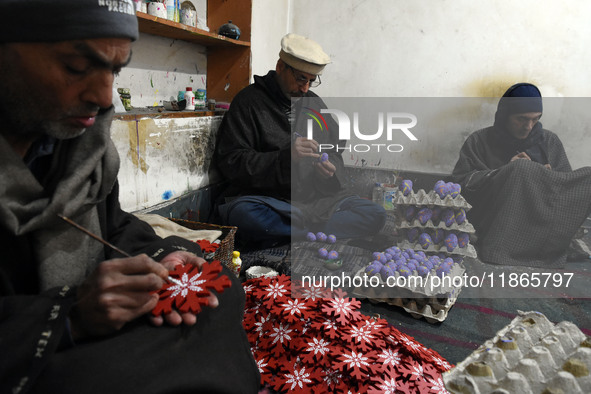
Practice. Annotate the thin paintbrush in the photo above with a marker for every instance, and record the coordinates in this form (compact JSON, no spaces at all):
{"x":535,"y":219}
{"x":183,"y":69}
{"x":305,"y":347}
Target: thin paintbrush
{"x":110,"y":245}
{"x":85,"y":231}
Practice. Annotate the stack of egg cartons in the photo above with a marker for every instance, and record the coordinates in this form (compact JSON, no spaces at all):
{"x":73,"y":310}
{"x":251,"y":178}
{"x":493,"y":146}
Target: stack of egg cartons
{"x":435,"y":222}
{"x":531,"y":355}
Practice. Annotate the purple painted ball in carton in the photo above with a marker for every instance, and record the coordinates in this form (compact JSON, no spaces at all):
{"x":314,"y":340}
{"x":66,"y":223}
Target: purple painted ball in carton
{"x":333,"y":255}
{"x":463,"y":240}
{"x":448,"y":262}
{"x":332,"y":239}
{"x":322,"y":252}
{"x":412,"y":264}
{"x":405,"y":187}
{"x":386,"y":272}
{"x":454,"y":190}
{"x":373,"y":268}
{"x":425,"y":240}
{"x":460,"y":216}
{"x":403,"y":270}
{"x":451,"y":242}
{"x":428,"y":264}
{"x":321,"y":236}
{"x":441,"y":188}
{"x":311,"y":237}
{"x":423,"y":270}
{"x":424,"y":215}
{"x":448,"y":216}
{"x":410,"y":212}
{"x":443,"y":270}
{"x":438,"y":235}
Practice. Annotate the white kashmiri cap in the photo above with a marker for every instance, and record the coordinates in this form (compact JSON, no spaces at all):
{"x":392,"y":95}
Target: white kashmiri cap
{"x":303,"y":54}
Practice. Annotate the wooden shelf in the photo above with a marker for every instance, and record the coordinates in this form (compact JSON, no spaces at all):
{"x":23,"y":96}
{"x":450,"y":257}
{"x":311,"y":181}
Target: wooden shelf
{"x":136,"y":114}
{"x":165,"y":28}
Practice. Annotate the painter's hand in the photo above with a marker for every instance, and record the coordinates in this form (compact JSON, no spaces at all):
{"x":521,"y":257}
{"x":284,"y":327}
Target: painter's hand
{"x":175,"y":318}
{"x":117,"y":292}
{"x":521,"y":155}
{"x":303,"y":147}
{"x":325,"y":169}
{"x":548,"y":166}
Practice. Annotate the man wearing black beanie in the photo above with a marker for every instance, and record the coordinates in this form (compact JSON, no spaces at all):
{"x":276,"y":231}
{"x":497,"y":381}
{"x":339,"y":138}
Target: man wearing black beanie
{"x":527,"y":202}
{"x":75,"y":315}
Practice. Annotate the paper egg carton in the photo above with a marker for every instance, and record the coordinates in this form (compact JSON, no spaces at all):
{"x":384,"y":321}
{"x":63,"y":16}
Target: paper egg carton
{"x":468,"y":251}
{"x":530,"y":355}
{"x":423,"y":198}
{"x":434,"y":308}
{"x":465,"y":227}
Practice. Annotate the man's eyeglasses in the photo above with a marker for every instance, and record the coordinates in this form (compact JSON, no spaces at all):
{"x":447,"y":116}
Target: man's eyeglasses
{"x":303,"y":81}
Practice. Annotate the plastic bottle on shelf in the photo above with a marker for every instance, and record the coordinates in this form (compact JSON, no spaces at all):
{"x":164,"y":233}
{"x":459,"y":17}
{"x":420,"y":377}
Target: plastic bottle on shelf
{"x":236,"y":262}
{"x":190,"y":97}
{"x":378,"y":194}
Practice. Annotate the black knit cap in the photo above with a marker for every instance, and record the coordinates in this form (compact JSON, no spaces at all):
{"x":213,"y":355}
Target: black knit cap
{"x":63,"y":20}
{"x":521,"y":98}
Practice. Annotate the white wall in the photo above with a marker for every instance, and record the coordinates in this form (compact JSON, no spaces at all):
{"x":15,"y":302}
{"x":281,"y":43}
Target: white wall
{"x":270,"y":21}
{"x":439,"y":48}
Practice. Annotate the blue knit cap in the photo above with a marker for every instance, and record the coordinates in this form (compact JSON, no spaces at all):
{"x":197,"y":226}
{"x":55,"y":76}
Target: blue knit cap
{"x":63,"y":20}
{"x":521,"y":98}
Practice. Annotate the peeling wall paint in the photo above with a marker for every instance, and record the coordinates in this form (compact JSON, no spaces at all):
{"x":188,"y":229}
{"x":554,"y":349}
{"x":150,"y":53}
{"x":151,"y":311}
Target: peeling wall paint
{"x":162,"y":159}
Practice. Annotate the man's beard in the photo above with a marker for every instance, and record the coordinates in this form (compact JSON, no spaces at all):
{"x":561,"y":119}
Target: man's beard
{"x":28,"y":116}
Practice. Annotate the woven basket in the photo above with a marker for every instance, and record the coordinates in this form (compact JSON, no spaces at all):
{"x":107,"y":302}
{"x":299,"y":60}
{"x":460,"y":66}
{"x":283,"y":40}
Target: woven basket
{"x":224,"y":252}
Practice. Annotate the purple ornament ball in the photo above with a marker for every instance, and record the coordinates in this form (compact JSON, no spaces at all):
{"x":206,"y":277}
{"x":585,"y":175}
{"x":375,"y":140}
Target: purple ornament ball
{"x":448,"y":216}
{"x":321,"y":236}
{"x":403,"y":270}
{"x":451,"y":242}
{"x":424,"y":215}
{"x":454,"y":190}
{"x":386,"y":272}
{"x":311,"y":237}
{"x":460,"y":216}
{"x":405,"y":187}
{"x":425,"y":240}
{"x":423,"y":270}
{"x":442,"y":189}
{"x":323,"y":157}
{"x":333,"y":255}
{"x":322,"y":252}
{"x":463,"y":240}
{"x":332,"y":239}
{"x":438,"y":235}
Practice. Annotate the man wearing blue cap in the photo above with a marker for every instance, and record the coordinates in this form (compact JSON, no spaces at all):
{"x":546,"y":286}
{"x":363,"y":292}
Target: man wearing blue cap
{"x":527,"y":202}
{"x":74,"y":315}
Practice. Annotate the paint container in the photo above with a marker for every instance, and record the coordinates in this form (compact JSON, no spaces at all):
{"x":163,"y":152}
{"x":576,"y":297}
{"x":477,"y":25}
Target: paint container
{"x":389,"y":193}
{"x":190,"y":98}
{"x":200,"y":99}
{"x":188,"y":14}
{"x":157,"y":9}
{"x":170,"y":7}
{"x":211,"y":104}
{"x":138,"y":5}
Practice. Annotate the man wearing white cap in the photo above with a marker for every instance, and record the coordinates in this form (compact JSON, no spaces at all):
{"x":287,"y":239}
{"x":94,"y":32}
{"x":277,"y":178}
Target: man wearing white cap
{"x":75,"y":316}
{"x":279,"y":188}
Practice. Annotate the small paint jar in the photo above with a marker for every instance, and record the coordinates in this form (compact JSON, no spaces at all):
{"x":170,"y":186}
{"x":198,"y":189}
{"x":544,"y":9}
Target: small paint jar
{"x":157,"y":9}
